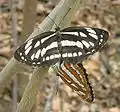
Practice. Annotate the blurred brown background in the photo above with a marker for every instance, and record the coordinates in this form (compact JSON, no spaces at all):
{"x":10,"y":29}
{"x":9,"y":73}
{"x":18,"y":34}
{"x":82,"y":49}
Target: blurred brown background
{"x":103,"y":67}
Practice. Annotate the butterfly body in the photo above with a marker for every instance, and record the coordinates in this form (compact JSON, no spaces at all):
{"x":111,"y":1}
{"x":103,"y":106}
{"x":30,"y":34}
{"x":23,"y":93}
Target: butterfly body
{"x":71,"y":45}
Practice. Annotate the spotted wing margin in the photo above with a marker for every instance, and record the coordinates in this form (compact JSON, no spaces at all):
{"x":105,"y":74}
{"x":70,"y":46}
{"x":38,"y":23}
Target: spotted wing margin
{"x":76,"y":78}
{"x":80,"y":42}
{"x":30,"y":51}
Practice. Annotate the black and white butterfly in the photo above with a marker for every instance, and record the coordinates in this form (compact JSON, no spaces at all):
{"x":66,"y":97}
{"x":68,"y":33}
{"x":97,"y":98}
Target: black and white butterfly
{"x":71,"y":45}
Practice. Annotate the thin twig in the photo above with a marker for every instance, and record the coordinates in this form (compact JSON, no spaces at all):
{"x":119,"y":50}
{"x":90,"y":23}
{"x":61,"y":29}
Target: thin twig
{"x":15,"y":38}
{"x":52,"y":92}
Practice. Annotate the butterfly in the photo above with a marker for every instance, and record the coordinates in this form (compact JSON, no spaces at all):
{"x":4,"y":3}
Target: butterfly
{"x":75,"y":76}
{"x":69,"y":45}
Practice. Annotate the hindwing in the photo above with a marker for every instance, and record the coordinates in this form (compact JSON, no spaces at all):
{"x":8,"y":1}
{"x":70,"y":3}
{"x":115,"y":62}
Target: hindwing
{"x":76,"y":78}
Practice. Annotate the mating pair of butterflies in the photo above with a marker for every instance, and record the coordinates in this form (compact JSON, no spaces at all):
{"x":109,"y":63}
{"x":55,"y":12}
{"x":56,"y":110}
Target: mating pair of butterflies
{"x":70,"y":47}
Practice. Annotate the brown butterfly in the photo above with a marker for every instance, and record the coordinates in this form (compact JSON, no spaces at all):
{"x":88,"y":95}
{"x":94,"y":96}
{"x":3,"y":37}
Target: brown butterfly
{"x":75,"y":76}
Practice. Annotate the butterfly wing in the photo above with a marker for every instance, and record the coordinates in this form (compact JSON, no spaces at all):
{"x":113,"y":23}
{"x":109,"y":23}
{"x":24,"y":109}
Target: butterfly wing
{"x":76,"y":78}
{"x":71,"y":45}
{"x":33,"y":51}
{"x":80,"y":42}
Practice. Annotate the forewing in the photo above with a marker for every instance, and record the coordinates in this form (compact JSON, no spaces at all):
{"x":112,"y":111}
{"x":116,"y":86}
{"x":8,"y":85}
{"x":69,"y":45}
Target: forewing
{"x":80,"y":42}
{"x":33,"y":51}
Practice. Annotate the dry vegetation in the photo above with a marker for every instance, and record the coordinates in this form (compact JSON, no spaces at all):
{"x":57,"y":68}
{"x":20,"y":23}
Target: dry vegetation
{"x":103,"y":67}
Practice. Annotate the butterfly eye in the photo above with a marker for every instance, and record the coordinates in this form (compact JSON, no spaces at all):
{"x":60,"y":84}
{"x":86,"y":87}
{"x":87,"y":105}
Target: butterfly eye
{"x":71,"y":45}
